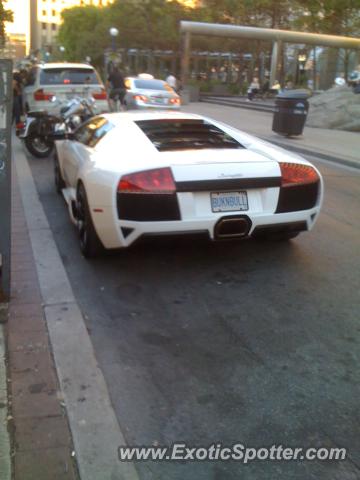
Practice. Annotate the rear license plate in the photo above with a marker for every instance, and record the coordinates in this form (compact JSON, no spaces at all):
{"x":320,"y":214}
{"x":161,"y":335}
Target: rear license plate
{"x":158,"y":100}
{"x":229,"y":201}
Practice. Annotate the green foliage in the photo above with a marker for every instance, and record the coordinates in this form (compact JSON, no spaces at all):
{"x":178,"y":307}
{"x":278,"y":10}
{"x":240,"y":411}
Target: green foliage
{"x":336,"y":17}
{"x":154,"y":24}
{"x":5,"y":16}
{"x":146,"y":24}
{"x":234,"y":89}
{"x":264,"y":13}
{"x":82,"y":33}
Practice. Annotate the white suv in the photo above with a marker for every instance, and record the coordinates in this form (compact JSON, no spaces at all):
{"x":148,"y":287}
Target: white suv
{"x":63,"y":81}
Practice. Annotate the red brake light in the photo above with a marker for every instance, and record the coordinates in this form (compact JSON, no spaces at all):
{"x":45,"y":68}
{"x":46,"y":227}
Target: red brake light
{"x":142,"y":98}
{"x":159,"y":180}
{"x":40,"y":95}
{"x":297,"y":174}
{"x":67,"y":81}
{"x":100,"y":95}
{"x":175,"y":101}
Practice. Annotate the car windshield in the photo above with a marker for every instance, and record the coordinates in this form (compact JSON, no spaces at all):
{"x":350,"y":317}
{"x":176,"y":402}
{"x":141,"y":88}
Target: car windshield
{"x":151,"y":84}
{"x":187,"y":134}
{"x":66,"y":76}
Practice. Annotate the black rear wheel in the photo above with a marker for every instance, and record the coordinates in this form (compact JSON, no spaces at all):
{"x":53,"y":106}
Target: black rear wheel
{"x":90,"y":244}
{"x":38,"y":145}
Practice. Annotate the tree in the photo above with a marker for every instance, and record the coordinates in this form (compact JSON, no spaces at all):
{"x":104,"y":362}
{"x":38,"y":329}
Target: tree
{"x":142,"y":24}
{"x":81,"y":33}
{"x":5,"y":16}
{"x":334,"y":17}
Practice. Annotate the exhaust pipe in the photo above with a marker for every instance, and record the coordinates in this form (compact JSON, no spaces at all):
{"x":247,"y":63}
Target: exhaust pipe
{"x":232,"y":227}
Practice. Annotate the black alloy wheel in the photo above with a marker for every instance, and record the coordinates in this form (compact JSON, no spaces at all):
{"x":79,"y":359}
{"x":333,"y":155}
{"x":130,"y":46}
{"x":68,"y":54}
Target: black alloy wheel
{"x":90,"y":244}
{"x":58,"y":180}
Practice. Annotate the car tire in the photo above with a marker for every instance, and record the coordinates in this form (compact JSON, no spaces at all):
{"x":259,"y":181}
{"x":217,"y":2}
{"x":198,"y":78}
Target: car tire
{"x":58,"y":180}
{"x":90,"y":244}
{"x":37,"y":146}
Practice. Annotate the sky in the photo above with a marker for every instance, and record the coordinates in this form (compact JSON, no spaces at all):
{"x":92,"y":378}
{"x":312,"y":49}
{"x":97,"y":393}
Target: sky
{"x":21,"y":16}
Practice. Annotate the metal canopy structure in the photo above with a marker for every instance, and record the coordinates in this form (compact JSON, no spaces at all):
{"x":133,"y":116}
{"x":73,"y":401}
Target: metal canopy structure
{"x":276,"y":36}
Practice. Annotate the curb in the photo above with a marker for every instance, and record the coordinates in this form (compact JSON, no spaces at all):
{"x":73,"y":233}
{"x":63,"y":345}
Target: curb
{"x":301,"y":150}
{"x":95,"y":429}
{"x":240,"y":104}
{"x":321,"y":156}
{"x":42,"y":445}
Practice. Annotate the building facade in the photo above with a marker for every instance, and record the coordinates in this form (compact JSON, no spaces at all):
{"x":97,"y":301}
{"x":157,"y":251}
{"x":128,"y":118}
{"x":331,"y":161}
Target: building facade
{"x":15,"y":46}
{"x":45,"y":19}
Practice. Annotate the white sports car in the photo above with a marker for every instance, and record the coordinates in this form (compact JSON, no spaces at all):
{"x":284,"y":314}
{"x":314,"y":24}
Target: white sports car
{"x":128,"y":175}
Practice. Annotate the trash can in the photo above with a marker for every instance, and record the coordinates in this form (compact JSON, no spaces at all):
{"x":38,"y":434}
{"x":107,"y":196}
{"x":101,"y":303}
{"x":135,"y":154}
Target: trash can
{"x":291,"y":108}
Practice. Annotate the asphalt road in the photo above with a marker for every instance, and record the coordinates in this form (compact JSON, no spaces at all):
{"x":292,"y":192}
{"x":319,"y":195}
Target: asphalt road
{"x":245,"y":342}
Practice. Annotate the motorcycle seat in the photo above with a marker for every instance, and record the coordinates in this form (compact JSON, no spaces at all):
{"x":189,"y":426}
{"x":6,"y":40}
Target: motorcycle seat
{"x":44,"y":114}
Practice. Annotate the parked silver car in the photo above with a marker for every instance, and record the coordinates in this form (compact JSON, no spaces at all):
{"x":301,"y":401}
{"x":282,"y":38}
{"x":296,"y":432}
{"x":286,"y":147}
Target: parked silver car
{"x":148,"y":92}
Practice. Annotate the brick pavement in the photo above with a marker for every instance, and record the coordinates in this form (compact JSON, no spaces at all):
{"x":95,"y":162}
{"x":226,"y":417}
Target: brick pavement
{"x":42,"y":442}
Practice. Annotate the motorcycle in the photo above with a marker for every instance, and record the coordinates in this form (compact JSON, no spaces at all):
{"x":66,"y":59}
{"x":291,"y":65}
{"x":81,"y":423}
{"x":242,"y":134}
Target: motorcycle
{"x":42,"y":129}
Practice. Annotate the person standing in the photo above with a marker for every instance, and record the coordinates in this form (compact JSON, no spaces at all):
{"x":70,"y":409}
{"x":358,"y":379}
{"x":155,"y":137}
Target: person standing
{"x":17,"y":97}
{"x":253,"y":89}
{"x":171,"y":81}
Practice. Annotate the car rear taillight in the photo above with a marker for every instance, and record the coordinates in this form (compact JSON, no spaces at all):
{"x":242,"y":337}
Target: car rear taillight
{"x":175,"y":101}
{"x":40,"y":95}
{"x":159,"y":180}
{"x":141,"y":98}
{"x":100,"y":95}
{"x":295,"y":174}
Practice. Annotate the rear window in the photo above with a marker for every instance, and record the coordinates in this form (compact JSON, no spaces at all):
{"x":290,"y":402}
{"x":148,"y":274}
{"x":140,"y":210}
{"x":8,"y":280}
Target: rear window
{"x":151,"y":84}
{"x":173,"y":134}
{"x":68,"y":76}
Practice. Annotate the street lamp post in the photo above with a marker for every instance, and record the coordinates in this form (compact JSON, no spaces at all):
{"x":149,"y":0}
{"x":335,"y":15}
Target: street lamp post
{"x":62,"y":50}
{"x":301,"y":67}
{"x":110,"y":57}
{"x":114,"y":32}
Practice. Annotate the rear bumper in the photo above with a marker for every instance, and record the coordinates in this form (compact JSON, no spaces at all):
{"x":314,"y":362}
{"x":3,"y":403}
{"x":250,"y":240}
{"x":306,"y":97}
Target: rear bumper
{"x":123,"y":233}
{"x":195,"y":235}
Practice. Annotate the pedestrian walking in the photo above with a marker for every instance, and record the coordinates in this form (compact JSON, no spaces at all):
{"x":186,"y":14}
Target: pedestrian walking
{"x":116,"y":84}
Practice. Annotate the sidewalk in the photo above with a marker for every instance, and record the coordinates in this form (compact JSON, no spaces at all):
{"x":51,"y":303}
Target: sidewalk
{"x":5,"y":420}
{"x":65,"y":427}
{"x":334,"y":145}
{"x":41,"y":442}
